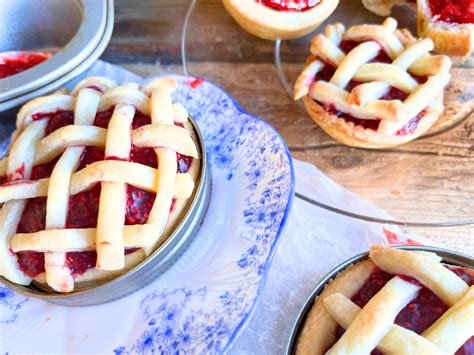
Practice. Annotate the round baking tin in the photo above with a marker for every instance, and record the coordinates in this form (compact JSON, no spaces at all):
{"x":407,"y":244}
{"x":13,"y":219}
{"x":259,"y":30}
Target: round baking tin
{"x":89,"y":41}
{"x":153,"y":266}
{"x":449,"y":257}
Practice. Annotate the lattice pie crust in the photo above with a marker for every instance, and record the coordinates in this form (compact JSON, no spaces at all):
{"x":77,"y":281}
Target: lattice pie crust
{"x":360,"y":83}
{"x":168,"y":133}
{"x":373,"y":326}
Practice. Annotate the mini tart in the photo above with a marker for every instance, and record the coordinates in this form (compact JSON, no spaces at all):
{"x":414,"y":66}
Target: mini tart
{"x":448,"y":37}
{"x":94,"y":181}
{"x":372,"y":86}
{"x":271,"y":24}
{"x":398,"y":302}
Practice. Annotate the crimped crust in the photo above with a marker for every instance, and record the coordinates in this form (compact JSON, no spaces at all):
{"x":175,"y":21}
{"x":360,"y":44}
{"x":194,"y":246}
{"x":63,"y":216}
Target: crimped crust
{"x":357,"y":136}
{"x":270,"y":24}
{"x":319,"y":329}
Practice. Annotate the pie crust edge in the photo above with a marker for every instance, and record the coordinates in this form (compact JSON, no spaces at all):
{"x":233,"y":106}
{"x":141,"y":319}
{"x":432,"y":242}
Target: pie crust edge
{"x":271,"y":24}
{"x":357,"y":136}
{"x":347,"y":282}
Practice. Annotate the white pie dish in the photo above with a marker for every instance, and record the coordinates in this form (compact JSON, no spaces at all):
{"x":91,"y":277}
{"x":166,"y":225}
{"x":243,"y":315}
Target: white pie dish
{"x":448,"y":256}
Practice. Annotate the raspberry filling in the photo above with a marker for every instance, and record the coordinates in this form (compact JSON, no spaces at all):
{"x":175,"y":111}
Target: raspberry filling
{"x":11,"y":65}
{"x":452,"y":11}
{"x":421,"y":312}
{"x":289,"y":5}
{"x":326,"y":73}
{"x":83,"y":207}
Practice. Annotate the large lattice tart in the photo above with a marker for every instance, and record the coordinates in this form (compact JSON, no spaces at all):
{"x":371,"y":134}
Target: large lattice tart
{"x":373,"y":86}
{"x":396,"y":302}
{"x":93,"y":182}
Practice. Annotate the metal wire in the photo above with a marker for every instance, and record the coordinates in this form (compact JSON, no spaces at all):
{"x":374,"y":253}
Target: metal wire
{"x":282,"y":78}
{"x":382,"y":220}
{"x":189,"y":13}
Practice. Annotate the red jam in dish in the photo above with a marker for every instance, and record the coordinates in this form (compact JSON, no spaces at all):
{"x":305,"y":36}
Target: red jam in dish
{"x":14,"y":64}
{"x":452,"y":11}
{"x":83,"y":207}
{"x":421,"y":312}
{"x":289,"y":5}
{"x":326,"y":73}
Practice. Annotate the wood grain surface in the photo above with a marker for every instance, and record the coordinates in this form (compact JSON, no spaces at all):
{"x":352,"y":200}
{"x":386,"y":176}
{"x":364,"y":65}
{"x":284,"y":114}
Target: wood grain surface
{"x":429,"y":180}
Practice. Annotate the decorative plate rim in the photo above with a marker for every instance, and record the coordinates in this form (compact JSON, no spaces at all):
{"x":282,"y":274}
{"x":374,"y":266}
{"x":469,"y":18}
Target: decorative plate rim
{"x":286,"y":199}
{"x":284,"y":220}
{"x":188,"y":79}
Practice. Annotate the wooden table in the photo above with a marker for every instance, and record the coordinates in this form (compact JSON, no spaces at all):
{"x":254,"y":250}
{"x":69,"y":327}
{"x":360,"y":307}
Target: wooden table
{"x":429,"y":180}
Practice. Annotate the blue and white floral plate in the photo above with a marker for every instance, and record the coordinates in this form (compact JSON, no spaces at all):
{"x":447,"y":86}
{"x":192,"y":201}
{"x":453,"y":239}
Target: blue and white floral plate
{"x":201,"y":303}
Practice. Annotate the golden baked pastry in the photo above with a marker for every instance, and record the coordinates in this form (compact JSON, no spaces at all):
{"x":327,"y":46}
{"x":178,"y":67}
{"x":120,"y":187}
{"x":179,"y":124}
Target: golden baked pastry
{"x":373,"y":86}
{"x":396,"y":302}
{"x":83,"y":196}
{"x":285,"y":19}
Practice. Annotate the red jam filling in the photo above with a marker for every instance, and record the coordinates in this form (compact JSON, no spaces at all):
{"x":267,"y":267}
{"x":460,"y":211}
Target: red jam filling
{"x":326,"y":73}
{"x":139,"y":204}
{"x":57,"y":120}
{"x":83,"y":207}
{"x":421,"y":312}
{"x":452,"y":11}
{"x":79,"y":263}
{"x":289,"y":5}
{"x":12,"y":65}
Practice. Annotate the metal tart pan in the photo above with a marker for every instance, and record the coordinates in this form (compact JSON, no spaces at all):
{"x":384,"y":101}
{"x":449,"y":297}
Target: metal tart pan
{"x":76,"y":31}
{"x":449,"y":257}
{"x":153,"y":266}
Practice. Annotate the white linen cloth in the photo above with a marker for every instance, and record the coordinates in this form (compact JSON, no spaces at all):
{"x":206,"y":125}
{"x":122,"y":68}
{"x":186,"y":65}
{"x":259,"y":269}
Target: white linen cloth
{"x":314,"y":243}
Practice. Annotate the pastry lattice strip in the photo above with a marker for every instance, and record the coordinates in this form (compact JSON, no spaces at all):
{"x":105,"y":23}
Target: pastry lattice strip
{"x":373,"y":326}
{"x":364,"y":100}
{"x":111,"y":236}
